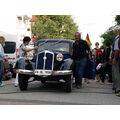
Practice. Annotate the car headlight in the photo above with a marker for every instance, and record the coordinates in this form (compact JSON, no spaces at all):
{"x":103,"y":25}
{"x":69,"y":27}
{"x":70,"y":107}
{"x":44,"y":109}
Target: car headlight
{"x":59,"y":57}
{"x":29,"y":56}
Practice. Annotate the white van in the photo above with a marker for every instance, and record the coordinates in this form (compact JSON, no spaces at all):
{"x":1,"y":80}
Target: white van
{"x":12,"y":44}
{"x":11,"y":48}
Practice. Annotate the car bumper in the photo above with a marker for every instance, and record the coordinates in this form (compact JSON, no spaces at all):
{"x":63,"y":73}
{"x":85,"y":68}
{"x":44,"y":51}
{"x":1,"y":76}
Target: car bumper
{"x":44,"y":72}
{"x":26,"y":72}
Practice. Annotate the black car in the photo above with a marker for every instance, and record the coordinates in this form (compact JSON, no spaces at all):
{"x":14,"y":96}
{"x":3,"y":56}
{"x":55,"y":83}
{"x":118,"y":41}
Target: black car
{"x":52,"y":61}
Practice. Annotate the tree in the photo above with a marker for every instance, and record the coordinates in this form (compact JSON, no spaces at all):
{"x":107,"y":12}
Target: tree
{"x":117,"y":19}
{"x":54,"y":27}
{"x":109,"y":36}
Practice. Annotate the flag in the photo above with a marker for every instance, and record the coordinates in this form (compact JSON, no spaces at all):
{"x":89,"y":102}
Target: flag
{"x":88,"y":40}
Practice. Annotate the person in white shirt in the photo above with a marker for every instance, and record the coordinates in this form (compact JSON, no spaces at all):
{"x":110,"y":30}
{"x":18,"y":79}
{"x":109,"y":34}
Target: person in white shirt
{"x":23,"y":52}
{"x":2,"y":43}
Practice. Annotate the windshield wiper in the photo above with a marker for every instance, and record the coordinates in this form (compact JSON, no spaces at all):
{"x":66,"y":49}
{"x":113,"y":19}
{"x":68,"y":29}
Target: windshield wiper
{"x":43,"y":43}
{"x":56,"y":43}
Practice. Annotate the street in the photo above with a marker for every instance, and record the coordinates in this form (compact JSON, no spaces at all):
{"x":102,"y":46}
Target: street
{"x":53,"y":94}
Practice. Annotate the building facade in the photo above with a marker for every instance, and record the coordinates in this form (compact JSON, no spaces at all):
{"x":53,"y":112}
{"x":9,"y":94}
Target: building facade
{"x":19,"y":25}
{"x":23,"y":26}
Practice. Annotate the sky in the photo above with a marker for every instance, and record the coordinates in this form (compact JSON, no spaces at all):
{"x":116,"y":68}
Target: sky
{"x":94,"y":25}
{"x":8,"y":23}
{"x":92,"y":16}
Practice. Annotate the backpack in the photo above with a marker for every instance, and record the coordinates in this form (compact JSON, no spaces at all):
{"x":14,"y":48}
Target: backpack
{"x":99,"y":54}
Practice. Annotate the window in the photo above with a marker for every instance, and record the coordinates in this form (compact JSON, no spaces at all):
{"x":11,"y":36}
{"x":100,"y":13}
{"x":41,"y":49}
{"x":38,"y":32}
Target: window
{"x":10,"y":47}
{"x":19,"y":18}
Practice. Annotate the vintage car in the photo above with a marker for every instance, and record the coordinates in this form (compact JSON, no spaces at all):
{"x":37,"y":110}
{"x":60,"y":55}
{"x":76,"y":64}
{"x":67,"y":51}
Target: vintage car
{"x":52,"y":61}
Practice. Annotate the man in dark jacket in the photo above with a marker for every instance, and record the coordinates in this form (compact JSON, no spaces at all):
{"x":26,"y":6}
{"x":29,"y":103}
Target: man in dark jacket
{"x":80,"y":49}
{"x":108,"y":66}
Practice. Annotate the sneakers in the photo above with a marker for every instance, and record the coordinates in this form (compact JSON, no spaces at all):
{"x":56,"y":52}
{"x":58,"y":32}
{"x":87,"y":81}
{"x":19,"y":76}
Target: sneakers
{"x":97,"y":80}
{"x":102,"y":83}
{"x":109,"y":83}
{"x":79,"y":86}
{"x":118,"y":94}
{"x":113,"y":88}
{"x":88,"y":82}
{"x":16,"y":84}
{"x":1,"y":84}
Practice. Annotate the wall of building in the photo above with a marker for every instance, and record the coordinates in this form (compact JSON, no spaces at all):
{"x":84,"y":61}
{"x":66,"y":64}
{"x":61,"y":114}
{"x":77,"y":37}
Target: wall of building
{"x":16,"y":24}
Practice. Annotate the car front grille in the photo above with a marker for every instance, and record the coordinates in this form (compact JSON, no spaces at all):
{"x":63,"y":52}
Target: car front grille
{"x":45,"y":60}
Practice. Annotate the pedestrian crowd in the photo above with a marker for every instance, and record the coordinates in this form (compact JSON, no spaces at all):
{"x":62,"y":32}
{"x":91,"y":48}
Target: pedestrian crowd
{"x":98,"y":63}
{"x":104,"y":62}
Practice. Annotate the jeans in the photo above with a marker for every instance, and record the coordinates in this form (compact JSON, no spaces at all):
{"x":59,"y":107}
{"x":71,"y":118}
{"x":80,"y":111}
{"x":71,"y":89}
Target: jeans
{"x":80,"y":67}
{"x":117,"y":76}
{"x":16,"y":80}
{"x":1,"y":71}
{"x":113,"y":78}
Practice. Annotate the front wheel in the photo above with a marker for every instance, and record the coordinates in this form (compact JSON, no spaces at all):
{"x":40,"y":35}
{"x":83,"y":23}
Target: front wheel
{"x":68,"y":87}
{"x":23,"y":82}
{"x":43,"y":82}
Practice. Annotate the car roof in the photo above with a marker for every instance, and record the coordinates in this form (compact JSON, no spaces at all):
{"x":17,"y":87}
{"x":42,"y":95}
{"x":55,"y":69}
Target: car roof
{"x":64,"y":40}
{"x":57,"y":40}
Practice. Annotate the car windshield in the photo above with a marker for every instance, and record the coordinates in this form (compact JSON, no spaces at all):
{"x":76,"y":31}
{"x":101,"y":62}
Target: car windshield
{"x":10,"y":47}
{"x":58,"y":46}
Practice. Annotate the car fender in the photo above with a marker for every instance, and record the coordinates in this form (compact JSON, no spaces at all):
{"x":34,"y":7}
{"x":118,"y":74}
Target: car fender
{"x":24,"y":63}
{"x":67,"y":64}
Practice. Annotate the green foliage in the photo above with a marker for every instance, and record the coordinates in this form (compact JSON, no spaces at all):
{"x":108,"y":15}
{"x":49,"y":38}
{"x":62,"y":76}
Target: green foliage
{"x":109,"y":36}
{"x":117,"y":19}
{"x":54,"y":27}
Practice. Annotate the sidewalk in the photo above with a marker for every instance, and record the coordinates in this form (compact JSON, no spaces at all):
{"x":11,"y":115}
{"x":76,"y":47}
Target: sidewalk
{"x":93,"y":84}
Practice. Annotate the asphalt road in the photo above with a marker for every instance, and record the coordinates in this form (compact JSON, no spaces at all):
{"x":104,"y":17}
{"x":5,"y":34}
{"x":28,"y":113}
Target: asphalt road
{"x":53,"y":94}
